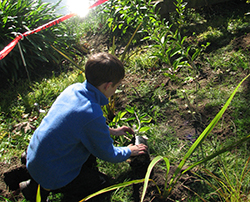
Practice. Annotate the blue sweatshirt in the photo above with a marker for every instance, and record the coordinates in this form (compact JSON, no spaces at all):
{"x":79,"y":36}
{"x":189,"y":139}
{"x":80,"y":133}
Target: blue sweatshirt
{"x":73,"y":129}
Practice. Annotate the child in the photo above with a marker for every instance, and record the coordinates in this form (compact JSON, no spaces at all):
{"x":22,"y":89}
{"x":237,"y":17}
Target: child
{"x":63,"y":148}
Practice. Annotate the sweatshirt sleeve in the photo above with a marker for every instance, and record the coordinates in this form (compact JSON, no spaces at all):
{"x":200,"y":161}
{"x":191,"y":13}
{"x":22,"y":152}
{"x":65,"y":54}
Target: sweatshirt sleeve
{"x":98,"y":142}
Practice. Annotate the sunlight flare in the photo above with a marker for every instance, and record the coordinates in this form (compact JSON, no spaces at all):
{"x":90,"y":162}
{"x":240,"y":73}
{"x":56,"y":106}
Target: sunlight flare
{"x":79,"y":7}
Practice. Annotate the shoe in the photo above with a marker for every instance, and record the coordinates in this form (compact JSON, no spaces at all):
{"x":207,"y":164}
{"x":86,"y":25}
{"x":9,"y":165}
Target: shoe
{"x":29,"y":191}
{"x":23,"y":158}
{"x":14,"y":175}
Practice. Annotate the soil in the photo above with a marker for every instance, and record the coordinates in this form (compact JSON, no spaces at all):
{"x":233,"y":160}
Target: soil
{"x":182,"y":123}
{"x":12,"y":169}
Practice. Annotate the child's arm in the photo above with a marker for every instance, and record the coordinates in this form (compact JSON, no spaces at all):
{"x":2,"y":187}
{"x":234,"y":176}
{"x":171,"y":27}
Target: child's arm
{"x":121,"y":131}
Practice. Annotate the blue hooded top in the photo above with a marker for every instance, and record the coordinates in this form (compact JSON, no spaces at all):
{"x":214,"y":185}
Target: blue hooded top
{"x":73,"y":129}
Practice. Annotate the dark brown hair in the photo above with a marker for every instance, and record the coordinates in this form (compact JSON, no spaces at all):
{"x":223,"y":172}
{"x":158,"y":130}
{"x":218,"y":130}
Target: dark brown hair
{"x":104,"y":67}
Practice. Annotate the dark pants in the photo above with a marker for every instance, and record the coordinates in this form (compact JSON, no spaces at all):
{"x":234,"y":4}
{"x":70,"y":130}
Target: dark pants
{"x":87,"y":182}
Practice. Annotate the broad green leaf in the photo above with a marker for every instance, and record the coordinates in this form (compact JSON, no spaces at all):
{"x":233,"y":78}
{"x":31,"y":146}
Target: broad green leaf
{"x":197,"y":52}
{"x":38,"y":194}
{"x":144,"y":129}
{"x":130,"y":119}
{"x":188,"y":49}
{"x":130,"y":110}
{"x":149,"y":170}
{"x":146,"y":120}
{"x":175,"y":51}
{"x":113,"y":187}
{"x":183,"y":40}
{"x":120,"y":26}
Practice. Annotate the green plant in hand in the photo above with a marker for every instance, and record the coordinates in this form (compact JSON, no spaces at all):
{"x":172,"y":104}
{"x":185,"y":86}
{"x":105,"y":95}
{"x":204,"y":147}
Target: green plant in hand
{"x":131,"y":117}
{"x":139,"y":120}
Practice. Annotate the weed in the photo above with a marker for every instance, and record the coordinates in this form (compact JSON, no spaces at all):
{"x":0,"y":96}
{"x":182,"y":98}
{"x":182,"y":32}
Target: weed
{"x":180,"y":8}
{"x":230,"y":186}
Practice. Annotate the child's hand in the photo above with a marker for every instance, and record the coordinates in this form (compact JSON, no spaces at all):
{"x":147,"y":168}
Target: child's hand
{"x":121,"y":131}
{"x":137,"y":149}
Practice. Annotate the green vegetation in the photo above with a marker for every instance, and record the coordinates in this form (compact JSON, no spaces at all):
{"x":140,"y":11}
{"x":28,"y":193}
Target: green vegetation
{"x":180,"y":91}
{"x":18,"y":17}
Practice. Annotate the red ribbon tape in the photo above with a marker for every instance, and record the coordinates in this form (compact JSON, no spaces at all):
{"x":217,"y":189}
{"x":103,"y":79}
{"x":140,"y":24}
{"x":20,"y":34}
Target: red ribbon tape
{"x":9,"y":48}
{"x":11,"y":45}
{"x":97,"y":3}
{"x":49,"y":24}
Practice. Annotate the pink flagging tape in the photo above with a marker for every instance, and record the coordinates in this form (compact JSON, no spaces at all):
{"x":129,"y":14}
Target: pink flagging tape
{"x":49,"y":24}
{"x":12,"y":44}
{"x":97,"y":3}
{"x":9,"y":47}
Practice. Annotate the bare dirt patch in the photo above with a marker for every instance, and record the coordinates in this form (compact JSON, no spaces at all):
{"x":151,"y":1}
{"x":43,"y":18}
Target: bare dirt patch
{"x":13,"y":168}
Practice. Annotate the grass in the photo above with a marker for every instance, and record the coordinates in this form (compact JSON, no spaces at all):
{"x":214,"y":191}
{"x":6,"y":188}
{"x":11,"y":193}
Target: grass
{"x":229,"y":178}
{"x":159,"y":97}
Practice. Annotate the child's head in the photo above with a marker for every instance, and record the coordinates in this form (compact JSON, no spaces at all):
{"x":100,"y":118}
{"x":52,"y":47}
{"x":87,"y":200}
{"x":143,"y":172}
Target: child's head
{"x":104,"y":67}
